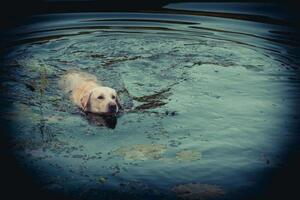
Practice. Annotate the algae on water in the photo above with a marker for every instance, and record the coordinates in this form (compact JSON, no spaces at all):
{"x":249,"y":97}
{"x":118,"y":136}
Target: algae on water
{"x":141,"y":152}
{"x":188,"y":155}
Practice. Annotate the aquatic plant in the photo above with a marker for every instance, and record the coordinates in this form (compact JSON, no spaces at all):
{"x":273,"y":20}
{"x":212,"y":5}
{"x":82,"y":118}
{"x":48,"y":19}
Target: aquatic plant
{"x":43,"y":79}
{"x":154,"y":100}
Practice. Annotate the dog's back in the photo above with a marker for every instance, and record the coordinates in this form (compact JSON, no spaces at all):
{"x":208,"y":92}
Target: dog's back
{"x":73,"y":79}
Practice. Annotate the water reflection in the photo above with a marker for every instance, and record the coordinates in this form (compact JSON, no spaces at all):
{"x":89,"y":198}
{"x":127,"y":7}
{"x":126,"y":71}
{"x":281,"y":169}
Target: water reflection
{"x":108,"y":121}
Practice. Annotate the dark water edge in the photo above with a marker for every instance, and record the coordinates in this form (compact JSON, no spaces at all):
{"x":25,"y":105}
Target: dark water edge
{"x":281,"y":183}
{"x":14,"y":11}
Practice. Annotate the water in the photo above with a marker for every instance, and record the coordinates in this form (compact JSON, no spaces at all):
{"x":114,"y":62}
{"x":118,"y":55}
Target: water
{"x":209,"y":97}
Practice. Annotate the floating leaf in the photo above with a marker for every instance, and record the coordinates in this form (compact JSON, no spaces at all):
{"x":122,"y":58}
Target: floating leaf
{"x":102,"y":179}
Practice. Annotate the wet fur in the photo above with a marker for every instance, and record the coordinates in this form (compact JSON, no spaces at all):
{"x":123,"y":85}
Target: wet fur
{"x":84,"y":88}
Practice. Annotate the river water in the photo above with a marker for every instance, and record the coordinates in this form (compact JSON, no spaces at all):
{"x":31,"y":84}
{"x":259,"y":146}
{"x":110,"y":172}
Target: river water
{"x":209,"y":94}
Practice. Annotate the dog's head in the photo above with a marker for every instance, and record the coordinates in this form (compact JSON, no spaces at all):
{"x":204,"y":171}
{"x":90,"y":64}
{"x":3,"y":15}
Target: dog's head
{"x":101,"y":100}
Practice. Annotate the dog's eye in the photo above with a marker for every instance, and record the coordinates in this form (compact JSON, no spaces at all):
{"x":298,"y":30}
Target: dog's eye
{"x":100,"y":97}
{"x":113,"y":96}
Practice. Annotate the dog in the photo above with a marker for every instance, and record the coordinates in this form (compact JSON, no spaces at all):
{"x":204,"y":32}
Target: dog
{"x":89,"y":94}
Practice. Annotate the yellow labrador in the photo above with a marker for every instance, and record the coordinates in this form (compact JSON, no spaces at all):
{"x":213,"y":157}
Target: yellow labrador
{"x":88,"y":93}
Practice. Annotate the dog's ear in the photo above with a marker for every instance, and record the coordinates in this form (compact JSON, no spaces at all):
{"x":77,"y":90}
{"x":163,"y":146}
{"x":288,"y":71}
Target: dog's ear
{"x":118,"y":103}
{"x":85,"y":100}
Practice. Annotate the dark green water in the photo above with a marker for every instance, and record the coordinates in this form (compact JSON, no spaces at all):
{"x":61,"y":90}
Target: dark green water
{"x":208,"y":100}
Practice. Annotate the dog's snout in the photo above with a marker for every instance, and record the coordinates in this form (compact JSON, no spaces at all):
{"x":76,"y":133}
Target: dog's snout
{"x":112,"y":107}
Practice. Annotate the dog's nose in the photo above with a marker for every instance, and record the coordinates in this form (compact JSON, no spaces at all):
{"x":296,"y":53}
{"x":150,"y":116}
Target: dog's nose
{"x":112,"y":107}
